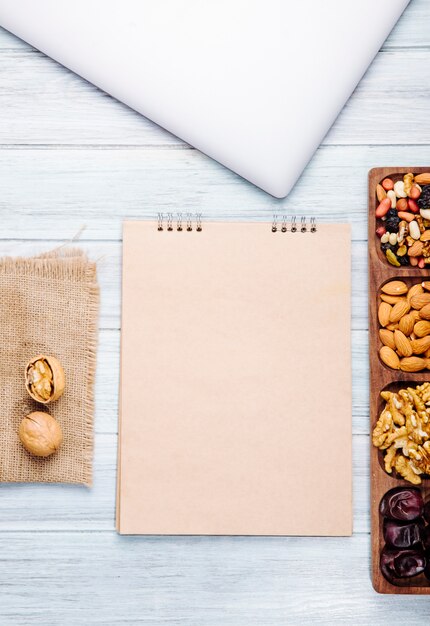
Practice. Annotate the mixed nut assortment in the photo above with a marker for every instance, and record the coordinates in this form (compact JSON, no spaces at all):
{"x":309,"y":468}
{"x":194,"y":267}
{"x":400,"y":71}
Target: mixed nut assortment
{"x":402,"y":432}
{"x":39,"y":432}
{"x":404,"y":318}
{"x":403,"y":212}
{"x":406,"y":531}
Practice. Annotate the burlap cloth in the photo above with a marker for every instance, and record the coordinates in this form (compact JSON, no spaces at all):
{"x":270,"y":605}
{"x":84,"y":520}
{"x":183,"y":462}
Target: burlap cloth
{"x":48,"y":305}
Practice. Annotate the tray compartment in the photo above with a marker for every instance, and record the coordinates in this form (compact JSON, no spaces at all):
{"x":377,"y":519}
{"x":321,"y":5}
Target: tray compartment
{"x":395,"y":387}
{"x":409,"y":281}
{"x":395,"y":174}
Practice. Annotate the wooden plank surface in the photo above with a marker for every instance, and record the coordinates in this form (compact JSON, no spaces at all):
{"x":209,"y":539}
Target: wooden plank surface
{"x":100,"y":187}
{"x":103,"y":579}
{"x":70,"y":156}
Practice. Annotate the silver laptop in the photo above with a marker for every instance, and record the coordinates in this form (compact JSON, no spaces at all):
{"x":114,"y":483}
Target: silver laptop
{"x":254,"y":84}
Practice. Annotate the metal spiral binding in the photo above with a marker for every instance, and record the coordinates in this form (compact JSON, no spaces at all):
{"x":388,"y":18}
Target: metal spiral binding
{"x":304,"y":225}
{"x":169,"y":219}
{"x":293,"y":224}
{"x":313,"y":225}
{"x":284,"y":224}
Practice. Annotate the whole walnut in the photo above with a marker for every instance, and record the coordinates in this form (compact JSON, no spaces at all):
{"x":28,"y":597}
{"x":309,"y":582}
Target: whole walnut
{"x":40,"y":434}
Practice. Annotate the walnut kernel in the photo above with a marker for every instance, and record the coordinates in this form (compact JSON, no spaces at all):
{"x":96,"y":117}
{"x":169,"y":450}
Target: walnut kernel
{"x":44,"y":379}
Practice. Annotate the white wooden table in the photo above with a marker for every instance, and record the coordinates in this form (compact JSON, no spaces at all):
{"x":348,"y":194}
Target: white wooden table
{"x":71,"y":156}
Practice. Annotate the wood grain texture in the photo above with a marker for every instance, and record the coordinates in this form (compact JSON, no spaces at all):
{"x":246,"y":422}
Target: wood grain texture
{"x":100,"y":578}
{"x":71,"y":156}
{"x":381,"y":376}
{"x":49,"y":193}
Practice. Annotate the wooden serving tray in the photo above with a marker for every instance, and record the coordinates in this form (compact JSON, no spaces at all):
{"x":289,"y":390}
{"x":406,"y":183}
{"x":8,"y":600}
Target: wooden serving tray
{"x":381,"y":377}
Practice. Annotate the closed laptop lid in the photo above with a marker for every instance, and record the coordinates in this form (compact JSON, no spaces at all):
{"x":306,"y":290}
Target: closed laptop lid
{"x":255,"y":84}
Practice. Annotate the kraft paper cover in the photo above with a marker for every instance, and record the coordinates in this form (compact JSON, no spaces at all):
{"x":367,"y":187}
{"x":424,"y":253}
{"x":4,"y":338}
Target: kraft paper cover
{"x":235,"y":381}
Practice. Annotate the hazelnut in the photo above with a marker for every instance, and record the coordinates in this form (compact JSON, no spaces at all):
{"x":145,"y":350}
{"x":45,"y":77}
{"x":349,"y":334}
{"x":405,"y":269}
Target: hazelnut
{"x":40,"y":434}
{"x":44,"y":379}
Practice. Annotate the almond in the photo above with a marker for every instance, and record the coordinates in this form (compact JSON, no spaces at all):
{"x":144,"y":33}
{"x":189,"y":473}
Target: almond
{"x":415,"y":315}
{"x":420,"y":300}
{"x":387,"y":338}
{"x":414,"y":290}
{"x":422,"y":179}
{"x":426,"y":285}
{"x":392,"y":326}
{"x":406,"y":324}
{"x":419,"y":346}
{"x":403,"y":344}
{"x":425,"y":312}
{"x":394,"y":288}
{"x":380,"y":193}
{"x":389,"y":357}
{"x":413,"y":364}
{"x":384,"y":312}
{"x":403,"y":213}
{"x":425,"y":236}
{"x":400,"y":309}
{"x":390,"y":299}
{"x":416,"y":249}
{"x":422,"y":329}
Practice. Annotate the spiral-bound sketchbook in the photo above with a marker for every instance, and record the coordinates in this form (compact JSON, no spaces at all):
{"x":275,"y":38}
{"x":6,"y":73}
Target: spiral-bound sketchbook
{"x":235,"y":412}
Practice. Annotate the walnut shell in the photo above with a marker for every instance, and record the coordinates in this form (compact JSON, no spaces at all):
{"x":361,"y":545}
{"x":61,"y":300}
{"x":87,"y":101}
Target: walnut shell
{"x":40,"y":434}
{"x":44,"y":379}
